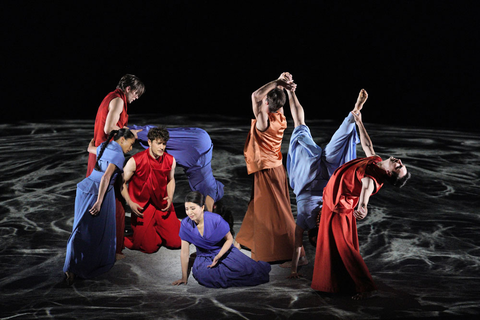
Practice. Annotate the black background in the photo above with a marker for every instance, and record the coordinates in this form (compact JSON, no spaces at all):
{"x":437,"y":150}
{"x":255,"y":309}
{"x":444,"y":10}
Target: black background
{"x":417,"y":59}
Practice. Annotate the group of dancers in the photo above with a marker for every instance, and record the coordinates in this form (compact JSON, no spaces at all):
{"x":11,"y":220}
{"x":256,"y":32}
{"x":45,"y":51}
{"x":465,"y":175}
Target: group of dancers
{"x":332,"y":189}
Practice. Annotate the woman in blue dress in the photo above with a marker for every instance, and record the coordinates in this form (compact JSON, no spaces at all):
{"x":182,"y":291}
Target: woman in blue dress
{"x":218,"y":264}
{"x":91,"y":246}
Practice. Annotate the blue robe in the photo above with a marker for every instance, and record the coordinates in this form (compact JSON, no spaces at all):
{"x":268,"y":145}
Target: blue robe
{"x":91,"y":246}
{"x":234,"y":269}
{"x":309,"y":166}
{"x":192,"y":149}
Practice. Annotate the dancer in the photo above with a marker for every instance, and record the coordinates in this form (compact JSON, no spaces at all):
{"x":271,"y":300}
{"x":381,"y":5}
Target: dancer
{"x":339,"y":267}
{"x":112,"y":115}
{"x":218,"y":264}
{"x":192,"y":149}
{"x":151,"y":185}
{"x":268,"y":228}
{"x":112,"y":112}
{"x":309,"y":168}
{"x":91,"y":246}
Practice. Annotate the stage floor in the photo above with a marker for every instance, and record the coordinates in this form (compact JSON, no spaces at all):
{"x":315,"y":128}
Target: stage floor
{"x":420,"y":243}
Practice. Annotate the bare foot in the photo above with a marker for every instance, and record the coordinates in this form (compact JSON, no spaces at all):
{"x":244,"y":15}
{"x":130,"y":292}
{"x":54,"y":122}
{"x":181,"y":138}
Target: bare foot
{"x":295,"y":275}
{"x":363,"y":295}
{"x":119,"y":256}
{"x":301,"y":262}
{"x":70,"y":277}
{"x":362,"y":97}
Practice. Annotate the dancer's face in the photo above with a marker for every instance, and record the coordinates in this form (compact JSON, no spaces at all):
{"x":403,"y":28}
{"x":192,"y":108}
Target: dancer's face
{"x":396,"y":165}
{"x":157,"y":147}
{"x":131,"y":95}
{"x":194,"y":211}
{"x":126,"y":144}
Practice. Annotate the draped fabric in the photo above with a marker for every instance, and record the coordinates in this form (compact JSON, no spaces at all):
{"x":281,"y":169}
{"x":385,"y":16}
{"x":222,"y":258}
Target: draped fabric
{"x":339,"y":267}
{"x":268,"y":228}
{"x":262,"y":149}
{"x":91,"y":246}
{"x":234,"y":269}
{"x":309,"y":166}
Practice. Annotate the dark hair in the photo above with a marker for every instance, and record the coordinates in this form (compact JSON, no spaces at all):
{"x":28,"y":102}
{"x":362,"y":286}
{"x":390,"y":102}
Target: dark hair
{"x":276,"y":99}
{"x":158,"y":133}
{"x":129,"y":80}
{"x":225,"y":213}
{"x":115,"y":134}
{"x":394,"y":180}
{"x":195,"y":197}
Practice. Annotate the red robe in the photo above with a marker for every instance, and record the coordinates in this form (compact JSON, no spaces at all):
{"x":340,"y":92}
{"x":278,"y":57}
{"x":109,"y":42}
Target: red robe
{"x":100,"y":136}
{"x":339,"y":267}
{"x":147,"y":188}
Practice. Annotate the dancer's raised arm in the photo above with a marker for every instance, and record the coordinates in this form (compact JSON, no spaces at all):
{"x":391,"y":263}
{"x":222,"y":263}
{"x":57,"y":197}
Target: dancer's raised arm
{"x":264,"y":100}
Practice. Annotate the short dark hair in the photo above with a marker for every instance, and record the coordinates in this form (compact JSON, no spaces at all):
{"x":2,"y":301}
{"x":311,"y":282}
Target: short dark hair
{"x":158,"y":133}
{"x":394,"y":180}
{"x":195,"y":197}
{"x":276,"y":99}
{"x":129,"y":80}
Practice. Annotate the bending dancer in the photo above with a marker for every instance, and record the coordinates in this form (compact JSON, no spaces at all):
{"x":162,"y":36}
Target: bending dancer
{"x":309,"y":168}
{"x":91,"y":246}
{"x":339,"y":267}
{"x":151,"y":185}
{"x":218,"y":264}
{"x":112,"y":115}
{"x":268,"y":228}
{"x":192,"y":149}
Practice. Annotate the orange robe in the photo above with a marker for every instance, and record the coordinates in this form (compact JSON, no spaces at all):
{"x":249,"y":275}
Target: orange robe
{"x":268,"y":228}
{"x":339,"y":267}
{"x":100,"y":136}
{"x":148,"y":188}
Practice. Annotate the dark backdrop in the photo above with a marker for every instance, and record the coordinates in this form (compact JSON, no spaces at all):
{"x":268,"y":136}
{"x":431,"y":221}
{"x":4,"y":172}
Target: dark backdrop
{"x":417,"y":59}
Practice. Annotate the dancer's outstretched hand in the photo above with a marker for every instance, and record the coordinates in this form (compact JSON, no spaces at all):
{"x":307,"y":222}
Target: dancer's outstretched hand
{"x":179,"y":282}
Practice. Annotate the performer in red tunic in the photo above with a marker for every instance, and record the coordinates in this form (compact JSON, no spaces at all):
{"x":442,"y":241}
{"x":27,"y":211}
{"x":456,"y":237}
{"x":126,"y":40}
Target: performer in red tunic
{"x":112,"y":115}
{"x":339,"y":267}
{"x":151,"y":185}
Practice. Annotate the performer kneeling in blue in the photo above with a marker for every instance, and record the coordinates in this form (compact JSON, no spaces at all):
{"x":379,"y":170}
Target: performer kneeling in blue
{"x":218,"y":263}
{"x":91,"y":246}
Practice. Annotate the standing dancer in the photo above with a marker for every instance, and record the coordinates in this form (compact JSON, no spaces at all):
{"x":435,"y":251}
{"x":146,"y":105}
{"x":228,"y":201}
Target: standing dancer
{"x":339,"y":267}
{"x":218,"y":264}
{"x":151,"y":185}
{"x":268,"y":228}
{"x":309,"y":167}
{"x":91,"y":246}
{"x":112,"y":115}
{"x":192,"y":149}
